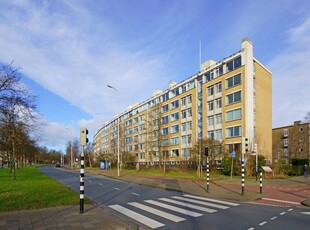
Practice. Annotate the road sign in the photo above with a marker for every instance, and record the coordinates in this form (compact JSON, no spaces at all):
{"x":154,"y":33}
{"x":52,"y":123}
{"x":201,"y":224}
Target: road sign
{"x":233,"y":154}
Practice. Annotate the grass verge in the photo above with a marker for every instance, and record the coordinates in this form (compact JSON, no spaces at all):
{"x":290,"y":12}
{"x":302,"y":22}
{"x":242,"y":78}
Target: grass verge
{"x":32,"y":190}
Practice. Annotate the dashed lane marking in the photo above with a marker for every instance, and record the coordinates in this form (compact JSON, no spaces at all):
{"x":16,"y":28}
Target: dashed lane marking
{"x":263,"y":223}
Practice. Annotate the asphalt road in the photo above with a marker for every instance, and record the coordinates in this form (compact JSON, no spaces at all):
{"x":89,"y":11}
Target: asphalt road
{"x":153,"y":208}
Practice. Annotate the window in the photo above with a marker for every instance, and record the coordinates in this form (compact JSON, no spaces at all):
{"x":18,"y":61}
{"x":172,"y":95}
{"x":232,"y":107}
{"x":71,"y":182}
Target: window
{"x":218,"y":103}
{"x":211,"y":135}
{"x":301,"y":129}
{"x":183,"y":127}
{"x":165,"y":108}
{"x":175,"y":104}
{"x":218,"y":118}
{"x":189,"y":112}
{"x":142,"y":117}
{"x":209,"y":76}
{"x":135,"y":129}
{"x":285,"y":143}
{"x":183,"y":101}
{"x":165,"y":96}
{"x":164,"y":120}
{"x":189,"y":99}
{"x":233,"y":115}
{"x":233,"y":131}
{"x":285,"y":133}
{"x":174,"y":128}
{"x":233,"y":98}
{"x":189,"y":139}
{"x":189,"y":125}
{"x":210,"y":90}
{"x":233,"y":81}
{"x":183,"y":139}
{"x":135,"y":120}
{"x":234,"y":64}
{"x":218,"y":87}
{"x":165,"y":142}
{"x":175,"y":140}
{"x":210,"y":105}
{"x":174,"y":116}
{"x":285,"y":152}
{"x":165,"y":131}
{"x":210,"y":120}
{"x":174,"y":153}
{"x":183,"y":112}
{"x":218,"y":134}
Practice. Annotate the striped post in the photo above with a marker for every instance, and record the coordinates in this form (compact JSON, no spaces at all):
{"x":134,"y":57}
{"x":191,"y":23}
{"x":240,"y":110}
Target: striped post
{"x":82,"y":182}
{"x":208,"y":174}
{"x":261,"y":182}
{"x":242,"y":175}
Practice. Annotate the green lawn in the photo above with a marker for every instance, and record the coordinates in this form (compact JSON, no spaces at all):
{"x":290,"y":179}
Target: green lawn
{"x":32,"y":190}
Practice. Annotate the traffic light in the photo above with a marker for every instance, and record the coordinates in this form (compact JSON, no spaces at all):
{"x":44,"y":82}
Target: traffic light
{"x":207,"y":151}
{"x":245,"y":145}
{"x":83,"y":136}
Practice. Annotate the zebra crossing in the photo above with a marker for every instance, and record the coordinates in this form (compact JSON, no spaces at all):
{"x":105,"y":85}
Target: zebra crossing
{"x":181,"y":206}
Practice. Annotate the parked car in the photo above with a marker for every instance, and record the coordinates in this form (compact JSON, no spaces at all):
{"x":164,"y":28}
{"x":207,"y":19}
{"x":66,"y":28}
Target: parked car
{"x":57,"y":165}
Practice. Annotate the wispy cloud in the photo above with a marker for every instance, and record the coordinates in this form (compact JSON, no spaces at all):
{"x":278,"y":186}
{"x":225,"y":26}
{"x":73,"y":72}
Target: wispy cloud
{"x":291,"y":78}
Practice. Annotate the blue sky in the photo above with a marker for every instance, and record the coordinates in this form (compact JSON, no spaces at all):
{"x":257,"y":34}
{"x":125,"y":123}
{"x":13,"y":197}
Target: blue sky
{"x":70,"y":50}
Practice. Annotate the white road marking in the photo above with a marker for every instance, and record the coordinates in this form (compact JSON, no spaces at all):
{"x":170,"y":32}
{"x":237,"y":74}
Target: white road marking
{"x":251,"y":228}
{"x":263,"y":223}
{"x":282,"y":213}
{"x":100,"y":184}
{"x":136,"y":194}
{"x":209,"y":210}
{"x":157,"y":212}
{"x":213,"y":200}
{"x":306,"y":213}
{"x":290,"y":210}
{"x":173,"y":208}
{"x":283,"y":201}
{"x":116,"y":189}
{"x":273,"y":218}
{"x":201,"y":202}
{"x":138,"y":217}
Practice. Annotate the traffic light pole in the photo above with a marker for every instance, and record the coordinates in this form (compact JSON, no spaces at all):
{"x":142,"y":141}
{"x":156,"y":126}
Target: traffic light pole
{"x":83,"y":142}
{"x":82,"y":182}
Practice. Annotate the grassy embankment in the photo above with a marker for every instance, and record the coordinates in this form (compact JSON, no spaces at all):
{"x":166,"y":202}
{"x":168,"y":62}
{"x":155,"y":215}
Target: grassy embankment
{"x":32,"y":190}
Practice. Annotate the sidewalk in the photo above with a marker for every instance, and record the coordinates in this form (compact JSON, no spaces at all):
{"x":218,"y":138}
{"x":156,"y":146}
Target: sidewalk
{"x":281,"y":192}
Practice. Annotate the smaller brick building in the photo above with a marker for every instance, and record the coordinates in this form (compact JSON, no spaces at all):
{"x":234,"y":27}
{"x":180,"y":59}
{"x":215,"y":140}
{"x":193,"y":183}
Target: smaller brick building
{"x":291,"y":141}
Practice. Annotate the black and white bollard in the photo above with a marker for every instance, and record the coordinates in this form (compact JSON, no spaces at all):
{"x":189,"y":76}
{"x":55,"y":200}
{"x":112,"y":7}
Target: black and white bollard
{"x":242,"y":176}
{"x":208,"y":174}
{"x":261,"y":182}
{"x":82,"y":182}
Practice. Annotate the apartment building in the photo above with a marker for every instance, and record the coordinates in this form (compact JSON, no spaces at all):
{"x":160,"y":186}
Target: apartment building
{"x":291,"y":141}
{"x":225,"y":100}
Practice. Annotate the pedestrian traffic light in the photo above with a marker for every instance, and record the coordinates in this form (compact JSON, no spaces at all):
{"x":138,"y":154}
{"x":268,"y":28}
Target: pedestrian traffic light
{"x":245,"y":145}
{"x":207,"y":151}
{"x":83,"y":136}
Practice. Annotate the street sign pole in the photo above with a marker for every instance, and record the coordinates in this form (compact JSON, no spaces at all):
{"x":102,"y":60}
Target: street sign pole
{"x":233,"y":155}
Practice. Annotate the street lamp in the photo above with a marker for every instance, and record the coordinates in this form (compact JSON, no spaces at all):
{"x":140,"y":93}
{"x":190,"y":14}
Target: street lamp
{"x":118,"y":163}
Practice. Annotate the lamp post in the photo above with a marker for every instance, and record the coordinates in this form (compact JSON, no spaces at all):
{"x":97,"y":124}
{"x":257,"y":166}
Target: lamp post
{"x":118,"y":163}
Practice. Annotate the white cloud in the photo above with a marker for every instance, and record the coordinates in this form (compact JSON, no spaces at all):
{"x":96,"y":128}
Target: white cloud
{"x":74,"y":63}
{"x":291,"y":78}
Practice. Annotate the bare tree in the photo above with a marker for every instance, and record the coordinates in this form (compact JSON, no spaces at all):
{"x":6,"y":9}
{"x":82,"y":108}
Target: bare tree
{"x":307,"y":117}
{"x":17,"y":109}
